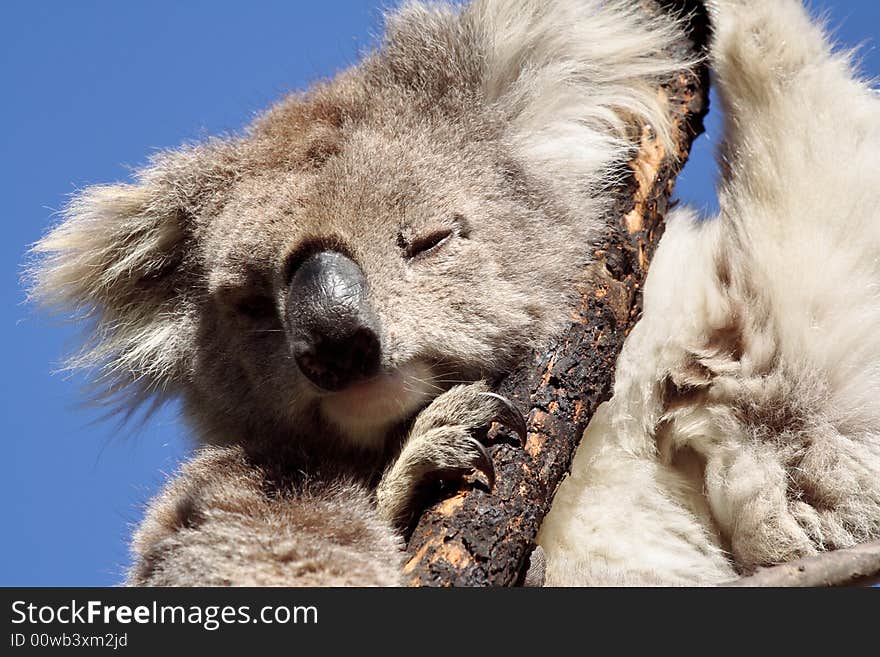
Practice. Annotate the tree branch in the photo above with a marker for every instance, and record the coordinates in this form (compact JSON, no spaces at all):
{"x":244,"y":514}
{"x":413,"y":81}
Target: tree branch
{"x":859,"y":566}
{"x":481,"y":538}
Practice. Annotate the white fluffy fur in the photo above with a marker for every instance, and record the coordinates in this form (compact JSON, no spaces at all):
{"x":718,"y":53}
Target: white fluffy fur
{"x":111,"y":239}
{"x":590,"y":64}
{"x":745,"y":423}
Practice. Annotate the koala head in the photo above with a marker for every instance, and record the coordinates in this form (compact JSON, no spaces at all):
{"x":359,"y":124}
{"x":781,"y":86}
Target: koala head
{"x":416,"y":222}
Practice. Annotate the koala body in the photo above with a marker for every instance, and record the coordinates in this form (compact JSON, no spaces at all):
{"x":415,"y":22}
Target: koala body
{"x":330,"y":293}
{"x":744,"y":429}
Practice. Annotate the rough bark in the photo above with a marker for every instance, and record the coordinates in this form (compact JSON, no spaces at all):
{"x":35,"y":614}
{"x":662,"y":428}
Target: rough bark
{"x":856,"y":566}
{"x":477,"y":537}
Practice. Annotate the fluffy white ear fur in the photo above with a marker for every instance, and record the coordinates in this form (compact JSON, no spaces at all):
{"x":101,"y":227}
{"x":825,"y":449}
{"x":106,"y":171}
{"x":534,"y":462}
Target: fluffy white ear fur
{"x":569,"y":75}
{"x":566,"y":78}
{"x":745,"y":424}
{"x":112,"y":261}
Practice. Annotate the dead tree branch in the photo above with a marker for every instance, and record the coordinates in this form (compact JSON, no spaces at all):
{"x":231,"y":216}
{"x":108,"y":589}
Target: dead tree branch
{"x":855,"y":566}
{"x":481,"y":538}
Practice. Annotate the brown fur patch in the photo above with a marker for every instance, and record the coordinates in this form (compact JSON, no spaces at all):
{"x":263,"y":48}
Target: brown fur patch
{"x":773,"y":415}
{"x":723,"y":270}
{"x":678,"y":396}
{"x":729,"y":339}
{"x":187,"y":514}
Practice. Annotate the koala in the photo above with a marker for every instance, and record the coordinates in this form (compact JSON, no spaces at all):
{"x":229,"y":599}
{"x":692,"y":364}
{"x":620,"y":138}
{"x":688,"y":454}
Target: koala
{"x":332,"y":293}
{"x":744,"y":429}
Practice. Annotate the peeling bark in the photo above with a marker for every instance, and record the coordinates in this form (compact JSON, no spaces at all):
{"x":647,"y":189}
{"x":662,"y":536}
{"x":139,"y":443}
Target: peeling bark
{"x":477,"y":537}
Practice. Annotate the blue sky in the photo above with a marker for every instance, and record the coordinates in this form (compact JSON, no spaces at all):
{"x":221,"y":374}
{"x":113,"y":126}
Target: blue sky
{"x":90,"y":89}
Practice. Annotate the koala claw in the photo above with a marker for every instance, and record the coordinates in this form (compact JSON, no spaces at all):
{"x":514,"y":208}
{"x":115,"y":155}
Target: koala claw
{"x":509,"y":416}
{"x":444,"y":444}
{"x":483,"y":463}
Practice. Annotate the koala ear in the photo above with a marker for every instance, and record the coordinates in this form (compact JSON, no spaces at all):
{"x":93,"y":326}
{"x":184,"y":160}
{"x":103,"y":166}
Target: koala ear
{"x":568,"y":78}
{"x":572,"y":76}
{"x":115,"y":260}
{"x":113,"y":248}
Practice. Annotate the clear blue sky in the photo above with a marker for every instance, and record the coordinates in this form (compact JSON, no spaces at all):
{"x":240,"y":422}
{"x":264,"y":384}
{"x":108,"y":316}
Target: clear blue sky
{"x":89,"y":90}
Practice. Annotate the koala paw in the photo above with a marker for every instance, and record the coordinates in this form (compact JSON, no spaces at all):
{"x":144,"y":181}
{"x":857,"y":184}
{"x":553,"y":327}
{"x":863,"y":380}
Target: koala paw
{"x":442,"y":444}
{"x":781,"y":504}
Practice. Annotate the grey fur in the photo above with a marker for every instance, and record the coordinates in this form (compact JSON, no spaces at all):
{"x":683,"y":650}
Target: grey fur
{"x":744,"y":426}
{"x":214,"y":525}
{"x":504,"y":123}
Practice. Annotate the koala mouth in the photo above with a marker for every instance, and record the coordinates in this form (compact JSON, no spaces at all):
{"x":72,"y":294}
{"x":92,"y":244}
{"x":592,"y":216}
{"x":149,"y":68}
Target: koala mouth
{"x":364,"y":411}
{"x":335,"y":338}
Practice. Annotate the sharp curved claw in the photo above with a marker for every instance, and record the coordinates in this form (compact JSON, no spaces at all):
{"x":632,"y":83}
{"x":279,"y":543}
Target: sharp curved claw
{"x":484,"y":463}
{"x":509,"y":416}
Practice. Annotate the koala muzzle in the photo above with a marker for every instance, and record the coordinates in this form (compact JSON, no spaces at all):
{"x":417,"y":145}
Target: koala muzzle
{"x":333,"y":331}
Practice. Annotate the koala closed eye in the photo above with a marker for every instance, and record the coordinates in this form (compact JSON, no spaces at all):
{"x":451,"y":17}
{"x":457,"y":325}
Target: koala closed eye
{"x":425,"y":244}
{"x":431,"y":240}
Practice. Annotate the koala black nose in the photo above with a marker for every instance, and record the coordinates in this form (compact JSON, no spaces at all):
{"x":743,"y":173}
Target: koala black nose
{"x":334,"y":334}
